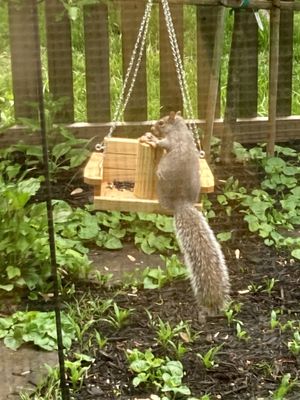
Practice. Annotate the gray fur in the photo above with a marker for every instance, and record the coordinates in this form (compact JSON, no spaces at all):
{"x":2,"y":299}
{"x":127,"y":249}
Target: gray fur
{"x":178,"y":189}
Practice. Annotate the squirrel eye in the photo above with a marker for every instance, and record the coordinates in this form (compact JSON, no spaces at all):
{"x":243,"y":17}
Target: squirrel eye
{"x":161,"y":123}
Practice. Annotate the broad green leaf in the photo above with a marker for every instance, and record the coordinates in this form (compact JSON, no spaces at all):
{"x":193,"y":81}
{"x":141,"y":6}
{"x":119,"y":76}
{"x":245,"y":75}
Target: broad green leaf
{"x":12,"y":343}
{"x":164,"y":223}
{"x":142,"y":377}
{"x":77,"y":159}
{"x":7,"y":288}
{"x":89,"y":231}
{"x":146,"y":248}
{"x":113,"y":243}
{"x":222,"y":199}
{"x":13,"y":272}
{"x":6,"y":323}
{"x":60,"y":150}
{"x":30,"y":186}
{"x":296,"y":253}
{"x":224,"y":236}
{"x":150,"y":284}
{"x":252,"y":223}
{"x":139,"y":366}
{"x":118,"y":233}
{"x":35,"y":151}
{"x":274,"y":164}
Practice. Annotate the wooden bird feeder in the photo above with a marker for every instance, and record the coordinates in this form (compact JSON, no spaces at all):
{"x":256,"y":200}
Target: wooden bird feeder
{"x":124,"y":179}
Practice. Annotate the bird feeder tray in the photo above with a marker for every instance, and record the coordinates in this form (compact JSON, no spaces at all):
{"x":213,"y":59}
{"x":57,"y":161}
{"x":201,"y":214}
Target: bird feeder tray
{"x":124,"y":179}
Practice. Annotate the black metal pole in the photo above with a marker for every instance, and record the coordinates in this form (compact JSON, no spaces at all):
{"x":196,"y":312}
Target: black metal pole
{"x":57,"y":304}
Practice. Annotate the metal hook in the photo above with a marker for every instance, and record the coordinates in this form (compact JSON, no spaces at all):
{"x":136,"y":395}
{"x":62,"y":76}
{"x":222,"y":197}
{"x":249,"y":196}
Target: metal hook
{"x":202,"y":154}
{"x":99,"y":147}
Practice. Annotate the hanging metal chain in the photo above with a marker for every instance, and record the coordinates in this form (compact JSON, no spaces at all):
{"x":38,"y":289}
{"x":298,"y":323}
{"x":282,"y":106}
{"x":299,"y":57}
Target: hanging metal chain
{"x":136,"y":59}
{"x":180,"y":72}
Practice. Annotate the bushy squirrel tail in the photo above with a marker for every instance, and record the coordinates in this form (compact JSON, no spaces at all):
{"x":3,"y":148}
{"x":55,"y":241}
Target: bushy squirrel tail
{"x":203,"y":257}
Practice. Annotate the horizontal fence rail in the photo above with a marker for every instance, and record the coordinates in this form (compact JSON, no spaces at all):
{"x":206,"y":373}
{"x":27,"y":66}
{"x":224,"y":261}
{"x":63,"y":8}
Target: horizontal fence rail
{"x":240,"y":121}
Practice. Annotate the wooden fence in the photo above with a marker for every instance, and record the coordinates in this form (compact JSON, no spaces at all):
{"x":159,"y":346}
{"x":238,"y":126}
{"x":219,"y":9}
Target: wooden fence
{"x":240,"y":121}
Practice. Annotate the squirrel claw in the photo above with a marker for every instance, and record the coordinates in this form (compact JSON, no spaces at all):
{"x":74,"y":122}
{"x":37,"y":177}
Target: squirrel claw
{"x":149,"y":138}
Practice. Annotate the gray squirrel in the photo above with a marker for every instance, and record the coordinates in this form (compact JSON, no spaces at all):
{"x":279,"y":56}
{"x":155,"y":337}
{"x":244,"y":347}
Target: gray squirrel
{"x":178,"y":188}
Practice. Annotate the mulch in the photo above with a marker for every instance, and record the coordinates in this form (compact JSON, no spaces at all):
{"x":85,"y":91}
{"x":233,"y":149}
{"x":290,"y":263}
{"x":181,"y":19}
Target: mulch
{"x":245,"y":369}
{"x":249,"y":369}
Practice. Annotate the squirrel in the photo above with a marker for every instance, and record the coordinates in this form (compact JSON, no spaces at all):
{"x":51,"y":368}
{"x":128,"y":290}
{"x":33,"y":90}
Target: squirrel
{"x":178,"y":189}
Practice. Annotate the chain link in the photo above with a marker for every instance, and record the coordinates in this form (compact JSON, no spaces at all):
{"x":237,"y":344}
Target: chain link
{"x":136,"y":58}
{"x":180,"y":71}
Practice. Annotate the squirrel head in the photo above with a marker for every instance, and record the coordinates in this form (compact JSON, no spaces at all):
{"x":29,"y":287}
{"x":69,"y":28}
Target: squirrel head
{"x":163,"y":126}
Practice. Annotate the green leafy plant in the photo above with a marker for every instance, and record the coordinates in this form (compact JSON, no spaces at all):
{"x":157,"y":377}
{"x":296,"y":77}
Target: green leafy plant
{"x":78,"y":368}
{"x":285,"y":386}
{"x":154,"y":278}
{"x":294,"y":344}
{"x":254,"y":287}
{"x":208,"y":359}
{"x":164,"y":375}
{"x":48,"y":388}
{"x":100,"y":340}
{"x":24,"y":242}
{"x":157,"y":277}
{"x":36,"y":327}
{"x":270,"y":283}
{"x":65,"y":150}
{"x":272,"y":211}
{"x":224,"y":236}
{"x":231,"y":312}
{"x":120,"y":316}
{"x":240,"y":332}
{"x":274,"y":322}
{"x":166,"y":334}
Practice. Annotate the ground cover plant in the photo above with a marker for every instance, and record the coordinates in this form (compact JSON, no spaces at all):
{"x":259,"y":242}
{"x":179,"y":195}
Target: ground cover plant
{"x":142,"y":339}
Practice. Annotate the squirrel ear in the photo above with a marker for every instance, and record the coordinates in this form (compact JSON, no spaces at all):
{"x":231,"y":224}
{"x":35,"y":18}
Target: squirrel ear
{"x":172,"y":116}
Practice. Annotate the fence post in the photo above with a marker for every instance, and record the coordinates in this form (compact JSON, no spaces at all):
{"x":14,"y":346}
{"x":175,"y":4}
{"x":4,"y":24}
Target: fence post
{"x":23,"y":20}
{"x":59,"y":50}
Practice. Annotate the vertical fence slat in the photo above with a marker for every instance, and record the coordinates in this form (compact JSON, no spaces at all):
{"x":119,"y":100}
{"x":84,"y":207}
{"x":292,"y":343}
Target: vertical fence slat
{"x":24,"y":52}
{"x":131,"y":16}
{"x":232,"y":94}
{"x":170,"y":95}
{"x":248,"y":63}
{"x":242,"y":83}
{"x":59,"y":49}
{"x":273,"y":77}
{"x":285,"y":67}
{"x":207,"y":18}
{"x":214,"y":81}
{"x":97,"y":62}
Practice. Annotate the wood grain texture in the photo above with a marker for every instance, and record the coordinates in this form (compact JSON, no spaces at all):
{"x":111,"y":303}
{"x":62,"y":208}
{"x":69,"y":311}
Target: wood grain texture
{"x":207,"y":21}
{"x":273,"y":77}
{"x":247,"y":49}
{"x":213,"y":80}
{"x":144,"y":197}
{"x":145,"y":182}
{"x":232,"y":93}
{"x":24,"y":46}
{"x":59,"y":52}
{"x":285,"y":67}
{"x":252,"y":130}
{"x":96,"y":41}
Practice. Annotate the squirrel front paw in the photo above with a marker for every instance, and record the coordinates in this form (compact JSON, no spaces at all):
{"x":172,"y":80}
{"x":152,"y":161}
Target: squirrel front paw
{"x":149,"y":138}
